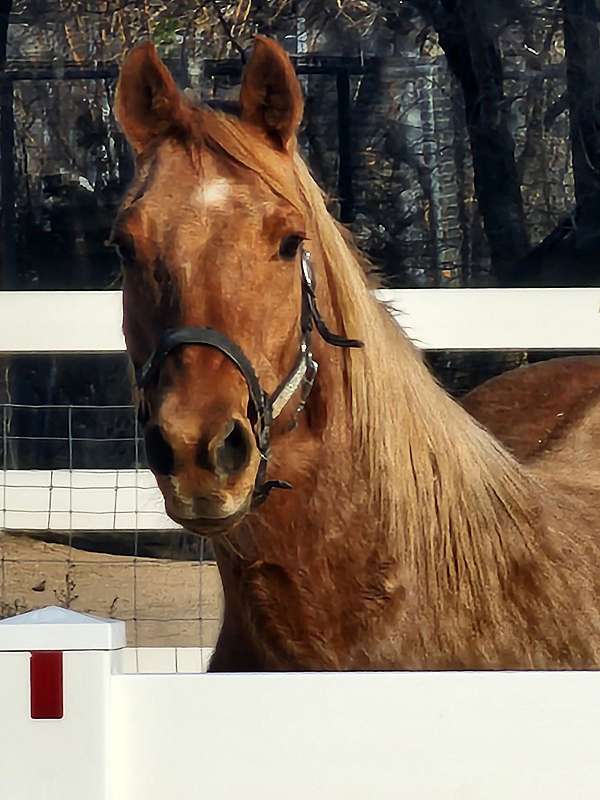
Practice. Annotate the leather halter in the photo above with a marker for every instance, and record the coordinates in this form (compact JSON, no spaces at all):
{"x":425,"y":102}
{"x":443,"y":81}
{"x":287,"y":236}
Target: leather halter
{"x":263,"y":409}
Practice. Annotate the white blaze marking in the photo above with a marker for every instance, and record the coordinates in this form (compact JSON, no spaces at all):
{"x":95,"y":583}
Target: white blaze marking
{"x":213,"y":194}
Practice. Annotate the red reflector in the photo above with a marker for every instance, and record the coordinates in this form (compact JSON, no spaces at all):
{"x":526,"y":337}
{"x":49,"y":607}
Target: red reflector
{"x":46,"y":682}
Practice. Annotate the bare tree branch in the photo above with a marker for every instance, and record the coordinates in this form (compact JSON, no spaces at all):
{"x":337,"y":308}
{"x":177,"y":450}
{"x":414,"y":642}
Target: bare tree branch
{"x":227,"y":29}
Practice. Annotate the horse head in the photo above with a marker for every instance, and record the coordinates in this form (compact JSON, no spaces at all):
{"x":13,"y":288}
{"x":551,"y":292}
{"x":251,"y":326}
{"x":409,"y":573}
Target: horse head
{"x":218,"y":288}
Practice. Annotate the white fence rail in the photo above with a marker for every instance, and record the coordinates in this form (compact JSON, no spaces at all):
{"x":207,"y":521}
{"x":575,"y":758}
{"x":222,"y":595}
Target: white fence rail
{"x":164,"y":660}
{"x":436,"y":319}
{"x":74,"y":726}
{"x":82,"y":499}
{"x":71,"y":322}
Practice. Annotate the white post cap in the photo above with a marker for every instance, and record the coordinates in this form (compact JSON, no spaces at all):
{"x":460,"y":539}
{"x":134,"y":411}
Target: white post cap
{"x":54,"y":628}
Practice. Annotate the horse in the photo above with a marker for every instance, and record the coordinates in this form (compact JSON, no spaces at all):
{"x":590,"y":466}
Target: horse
{"x":362,"y":518}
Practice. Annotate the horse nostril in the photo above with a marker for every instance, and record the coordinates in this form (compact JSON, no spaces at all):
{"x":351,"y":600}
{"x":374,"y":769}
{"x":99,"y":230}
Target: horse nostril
{"x":233,"y":453}
{"x":159,"y":453}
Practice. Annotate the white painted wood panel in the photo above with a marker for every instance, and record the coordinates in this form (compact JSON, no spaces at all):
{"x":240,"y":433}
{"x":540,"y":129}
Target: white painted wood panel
{"x":461,"y":319}
{"x":169,"y":660}
{"x":421,"y":736}
{"x":82,"y":499}
{"x":60,"y":322}
{"x":498,"y":319}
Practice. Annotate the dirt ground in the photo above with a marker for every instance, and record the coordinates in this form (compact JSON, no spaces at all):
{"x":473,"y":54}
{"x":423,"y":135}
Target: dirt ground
{"x":164,"y":603}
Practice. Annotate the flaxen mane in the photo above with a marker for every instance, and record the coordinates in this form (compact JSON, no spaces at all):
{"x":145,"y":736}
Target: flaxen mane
{"x":429,"y":454}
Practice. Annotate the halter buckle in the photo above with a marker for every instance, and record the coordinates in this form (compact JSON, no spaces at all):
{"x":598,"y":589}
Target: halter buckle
{"x":307,"y":273}
{"x":312,"y":368}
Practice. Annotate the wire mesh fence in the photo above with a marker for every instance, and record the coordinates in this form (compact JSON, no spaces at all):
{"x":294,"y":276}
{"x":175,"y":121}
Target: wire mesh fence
{"x":97,"y":540}
{"x":70,"y":437}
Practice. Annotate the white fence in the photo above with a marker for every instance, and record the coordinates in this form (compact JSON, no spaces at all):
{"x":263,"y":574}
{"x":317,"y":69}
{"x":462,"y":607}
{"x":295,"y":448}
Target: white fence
{"x":82,"y":716}
{"x":82,"y":499}
{"x":436,"y":319}
{"x":453,"y":319}
{"x":75,"y":725}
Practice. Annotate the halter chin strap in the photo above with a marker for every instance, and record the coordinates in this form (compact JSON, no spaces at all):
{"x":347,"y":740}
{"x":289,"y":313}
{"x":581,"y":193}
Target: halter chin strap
{"x":263,"y":409}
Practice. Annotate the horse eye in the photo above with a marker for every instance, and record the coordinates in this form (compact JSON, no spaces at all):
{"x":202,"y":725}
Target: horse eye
{"x":289,"y":246}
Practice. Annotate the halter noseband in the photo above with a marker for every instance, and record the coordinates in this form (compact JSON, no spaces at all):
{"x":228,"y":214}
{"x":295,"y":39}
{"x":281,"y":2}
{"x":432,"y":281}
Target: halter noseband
{"x":263,"y":409}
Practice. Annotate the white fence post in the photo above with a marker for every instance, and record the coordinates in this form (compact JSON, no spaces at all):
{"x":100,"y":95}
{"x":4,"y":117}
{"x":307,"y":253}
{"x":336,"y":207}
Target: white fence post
{"x":55,"y":668}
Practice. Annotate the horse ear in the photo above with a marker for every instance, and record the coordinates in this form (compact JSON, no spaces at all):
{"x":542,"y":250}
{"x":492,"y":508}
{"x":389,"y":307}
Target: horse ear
{"x":271,"y":97}
{"x":148,"y":102}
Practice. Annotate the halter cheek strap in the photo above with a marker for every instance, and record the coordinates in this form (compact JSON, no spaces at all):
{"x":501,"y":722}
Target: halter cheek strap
{"x":263,"y":409}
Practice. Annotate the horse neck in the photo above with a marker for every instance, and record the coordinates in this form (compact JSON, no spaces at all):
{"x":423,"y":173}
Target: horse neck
{"x":426,"y":513}
{"x":421,"y":485}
